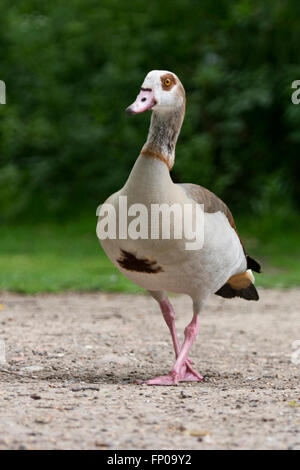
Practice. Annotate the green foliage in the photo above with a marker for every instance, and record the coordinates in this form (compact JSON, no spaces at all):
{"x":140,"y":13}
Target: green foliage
{"x":71,"y":68}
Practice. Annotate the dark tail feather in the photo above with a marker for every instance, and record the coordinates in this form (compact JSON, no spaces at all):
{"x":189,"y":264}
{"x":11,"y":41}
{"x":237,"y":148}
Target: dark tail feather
{"x":252,"y":264}
{"x":248,"y":293}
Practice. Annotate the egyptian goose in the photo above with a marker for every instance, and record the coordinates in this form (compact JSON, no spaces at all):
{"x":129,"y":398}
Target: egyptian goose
{"x":221,"y":266}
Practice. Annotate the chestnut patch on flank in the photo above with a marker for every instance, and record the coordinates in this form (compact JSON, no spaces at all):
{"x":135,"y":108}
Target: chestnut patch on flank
{"x":172,"y":79}
{"x":143,"y":265}
{"x":239,"y":281}
{"x":239,"y":285}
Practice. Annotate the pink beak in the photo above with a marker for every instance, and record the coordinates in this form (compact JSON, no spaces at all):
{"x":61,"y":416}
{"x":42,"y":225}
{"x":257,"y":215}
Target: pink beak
{"x":145,"y":100}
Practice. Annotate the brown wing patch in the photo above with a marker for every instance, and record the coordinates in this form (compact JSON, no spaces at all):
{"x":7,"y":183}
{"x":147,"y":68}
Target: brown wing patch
{"x":168,"y":81}
{"x":212,"y":203}
{"x":130,"y":262}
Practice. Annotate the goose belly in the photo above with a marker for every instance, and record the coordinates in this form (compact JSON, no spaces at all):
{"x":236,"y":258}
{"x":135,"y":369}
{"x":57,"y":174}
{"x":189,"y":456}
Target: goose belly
{"x":168,"y":265}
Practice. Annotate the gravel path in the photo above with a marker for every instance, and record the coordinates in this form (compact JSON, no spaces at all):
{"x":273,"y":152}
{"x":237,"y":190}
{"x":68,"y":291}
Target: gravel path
{"x":72,"y":361}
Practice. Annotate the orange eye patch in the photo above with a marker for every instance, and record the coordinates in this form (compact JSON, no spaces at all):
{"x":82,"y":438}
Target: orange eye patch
{"x":168,"y":81}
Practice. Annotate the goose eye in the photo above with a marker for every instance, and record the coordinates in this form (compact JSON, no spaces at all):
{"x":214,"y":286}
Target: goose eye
{"x":167,"y":82}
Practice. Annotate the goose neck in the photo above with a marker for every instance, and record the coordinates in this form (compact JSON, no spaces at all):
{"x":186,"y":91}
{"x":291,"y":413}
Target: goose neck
{"x":163,"y":134}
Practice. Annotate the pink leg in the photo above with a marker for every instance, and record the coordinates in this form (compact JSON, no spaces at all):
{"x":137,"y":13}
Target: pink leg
{"x":169,"y":316}
{"x":182,"y":370}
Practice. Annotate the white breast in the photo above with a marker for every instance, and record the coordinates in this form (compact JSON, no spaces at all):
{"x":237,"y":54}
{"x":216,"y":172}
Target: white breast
{"x":196,"y":273}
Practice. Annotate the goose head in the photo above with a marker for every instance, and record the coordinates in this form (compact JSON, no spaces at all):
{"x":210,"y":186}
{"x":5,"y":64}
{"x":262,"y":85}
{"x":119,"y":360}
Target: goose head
{"x":161,"y":91}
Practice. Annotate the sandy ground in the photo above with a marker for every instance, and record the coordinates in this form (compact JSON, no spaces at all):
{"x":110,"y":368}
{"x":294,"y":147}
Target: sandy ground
{"x":72,"y":361}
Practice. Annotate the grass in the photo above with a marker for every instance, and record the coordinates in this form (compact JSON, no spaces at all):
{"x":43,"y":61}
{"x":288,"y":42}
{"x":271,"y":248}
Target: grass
{"x":58,"y":257}
{"x":274,"y":242}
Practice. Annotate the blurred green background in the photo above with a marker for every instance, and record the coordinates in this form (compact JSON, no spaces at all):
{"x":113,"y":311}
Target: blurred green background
{"x":71,"y":68}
